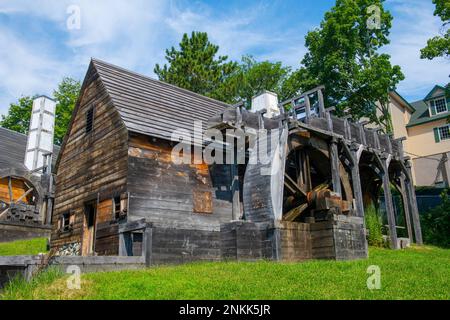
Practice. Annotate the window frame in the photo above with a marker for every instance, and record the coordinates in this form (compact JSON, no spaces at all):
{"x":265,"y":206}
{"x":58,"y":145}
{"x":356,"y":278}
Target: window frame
{"x":441,"y":138}
{"x":66,"y":222}
{"x":433,"y":104}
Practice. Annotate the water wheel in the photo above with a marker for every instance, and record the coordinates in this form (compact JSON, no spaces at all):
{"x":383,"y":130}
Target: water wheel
{"x":19,"y":191}
{"x":299,"y":182}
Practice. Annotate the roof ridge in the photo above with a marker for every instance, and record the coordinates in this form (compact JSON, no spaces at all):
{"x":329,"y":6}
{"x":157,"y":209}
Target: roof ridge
{"x":15,"y":132}
{"x":95,"y":61}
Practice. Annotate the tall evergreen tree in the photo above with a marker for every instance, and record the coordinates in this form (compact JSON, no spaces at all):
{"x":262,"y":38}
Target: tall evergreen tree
{"x":195,"y":66}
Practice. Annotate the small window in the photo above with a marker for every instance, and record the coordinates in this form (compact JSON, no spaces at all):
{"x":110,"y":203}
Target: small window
{"x":439,"y":105}
{"x":442,"y":133}
{"x":89,"y":120}
{"x":117,"y":208}
{"x":66,"y":222}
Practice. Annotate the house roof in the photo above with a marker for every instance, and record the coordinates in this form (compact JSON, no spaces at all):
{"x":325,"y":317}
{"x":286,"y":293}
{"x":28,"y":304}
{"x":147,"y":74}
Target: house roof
{"x":153,"y":107}
{"x":406,"y":103}
{"x":12,"y":149}
{"x":422,"y":115}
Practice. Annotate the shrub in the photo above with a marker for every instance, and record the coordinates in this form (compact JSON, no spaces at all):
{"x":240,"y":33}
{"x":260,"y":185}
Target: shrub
{"x":375,"y":227}
{"x":436,"y":223}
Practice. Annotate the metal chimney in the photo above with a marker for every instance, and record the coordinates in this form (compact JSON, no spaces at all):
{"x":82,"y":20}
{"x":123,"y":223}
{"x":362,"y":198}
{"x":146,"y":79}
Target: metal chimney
{"x":266,"y":100}
{"x":40,"y":135}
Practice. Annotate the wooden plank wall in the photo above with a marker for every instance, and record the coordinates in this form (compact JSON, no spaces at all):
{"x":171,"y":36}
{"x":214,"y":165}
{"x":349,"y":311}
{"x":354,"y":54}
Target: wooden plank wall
{"x":90,"y":164}
{"x":170,"y":195}
{"x":107,"y":230}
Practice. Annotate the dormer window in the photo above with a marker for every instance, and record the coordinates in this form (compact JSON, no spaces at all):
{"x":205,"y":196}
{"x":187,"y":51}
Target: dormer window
{"x":438,"y":106}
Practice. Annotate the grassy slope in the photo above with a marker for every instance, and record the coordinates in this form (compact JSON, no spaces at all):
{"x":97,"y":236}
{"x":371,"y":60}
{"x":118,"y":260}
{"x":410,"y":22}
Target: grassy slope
{"x":418,"y":273}
{"x":24,"y":247}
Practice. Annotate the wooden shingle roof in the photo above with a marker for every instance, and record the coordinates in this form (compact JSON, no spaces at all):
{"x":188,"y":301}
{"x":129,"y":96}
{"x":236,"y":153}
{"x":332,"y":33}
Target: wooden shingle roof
{"x":12,"y":149}
{"x":153,"y":107}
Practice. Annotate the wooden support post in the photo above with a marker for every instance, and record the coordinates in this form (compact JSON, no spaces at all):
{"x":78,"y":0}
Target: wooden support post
{"x":147,"y":245}
{"x":406,"y":206}
{"x":334,"y":159}
{"x":356,"y":181}
{"x":125,"y":244}
{"x":411,"y":193}
{"x":389,"y":203}
{"x":321,"y":103}
{"x":307,"y":109}
{"x":236,"y":209}
{"x":362,"y":134}
{"x":329,"y":121}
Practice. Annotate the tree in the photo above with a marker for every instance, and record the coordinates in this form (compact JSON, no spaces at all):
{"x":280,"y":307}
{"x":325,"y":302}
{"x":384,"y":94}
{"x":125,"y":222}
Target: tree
{"x":343,"y":56}
{"x":66,"y":96}
{"x":253,"y":77}
{"x":19,"y":114}
{"x":436,"y":223}
{"x":439,"y":46}
{"x":194,"y":66}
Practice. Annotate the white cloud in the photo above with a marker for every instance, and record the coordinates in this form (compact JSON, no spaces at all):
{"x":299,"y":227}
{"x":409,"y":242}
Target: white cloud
{"x":413,"y":25}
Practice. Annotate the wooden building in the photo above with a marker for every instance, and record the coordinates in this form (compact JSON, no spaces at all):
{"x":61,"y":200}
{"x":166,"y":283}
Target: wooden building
{"x":119,"y":192}
{"x":22,"y":193}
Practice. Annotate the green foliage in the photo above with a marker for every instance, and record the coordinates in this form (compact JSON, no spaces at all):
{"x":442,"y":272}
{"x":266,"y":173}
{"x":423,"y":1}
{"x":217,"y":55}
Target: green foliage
{"x":375,"y":226}
{"x":24,"y":247}
{"x":253,"y":77}
{"x":66,"y":96}
{"x":343,"y":56}
{"x":439,"y":46}
{"x":436,"y":223}
{"x":415,"y":273}
{"x":194,"y":66}
{"x":19,"y":115}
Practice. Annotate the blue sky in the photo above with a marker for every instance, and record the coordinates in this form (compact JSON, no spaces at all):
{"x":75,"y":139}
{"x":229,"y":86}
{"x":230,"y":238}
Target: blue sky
{"x":38,"y":49}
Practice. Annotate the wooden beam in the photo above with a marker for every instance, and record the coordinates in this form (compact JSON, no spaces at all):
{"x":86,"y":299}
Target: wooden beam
{"x":406,"y":206}
{"x":24,"y":195}
{"x":411,"y":192}
{"x":334,"y":161}
{"x":321,"y":103}
{"x":294,"y":213}
{"x":3,"y":213}
{"x":307,"y":109}
{"x":11,"y":199}
{"x":292,"y":185}
{"x":389,"y":207}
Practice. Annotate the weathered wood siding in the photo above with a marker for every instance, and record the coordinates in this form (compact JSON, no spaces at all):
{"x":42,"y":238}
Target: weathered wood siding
{"x":170,"y":195}
{"x":92,"y":166}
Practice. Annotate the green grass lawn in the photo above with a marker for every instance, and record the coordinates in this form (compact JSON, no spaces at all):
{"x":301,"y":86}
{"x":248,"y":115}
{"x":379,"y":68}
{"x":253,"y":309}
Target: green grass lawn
{"x":24,"y":247}
{"x":416,"y":273}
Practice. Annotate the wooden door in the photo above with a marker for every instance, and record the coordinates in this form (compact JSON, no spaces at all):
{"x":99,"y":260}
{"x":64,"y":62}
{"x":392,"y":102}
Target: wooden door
{"x":90,"y":217}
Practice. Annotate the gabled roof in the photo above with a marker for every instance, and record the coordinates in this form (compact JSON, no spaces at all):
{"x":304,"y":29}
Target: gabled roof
{"x":153,"y":107}
{"x":406,"y":103}
{"x":430,"y":95}
{"x":422,"y":114}
{"x":12,"y":149}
